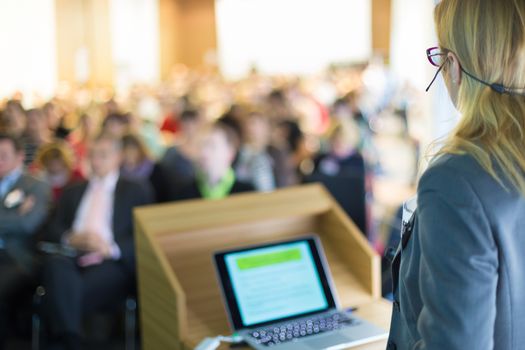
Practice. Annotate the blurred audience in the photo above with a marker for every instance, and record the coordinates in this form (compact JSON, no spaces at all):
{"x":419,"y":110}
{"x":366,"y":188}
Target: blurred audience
{"x":176,"y":169}
{"x":261,"y":163}
{"x":343,"y":156}
{"x":22,"y":210}
{"x":116,"y":125}
{"x":14,"y":118}
{"x":37,"y":134}
{"x":196,"y":136}
{"x":136,"y":161}
{"x":95,"y":218}
{"x":171,"y":122}
{"x":55,"y":164}
{"x":346,"y":109}
{"x":55,"y":121}
{"x":80,"y":139}
{"x":234,"y":119}
{"x":278,"y":107}
{"x":215,"y":177}
{"x":290,"y":137}
{"x":146,"y":122}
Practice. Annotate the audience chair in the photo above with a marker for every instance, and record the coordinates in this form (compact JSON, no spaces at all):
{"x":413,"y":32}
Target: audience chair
{"x":130,"y":320}
{"x":350,"y":192}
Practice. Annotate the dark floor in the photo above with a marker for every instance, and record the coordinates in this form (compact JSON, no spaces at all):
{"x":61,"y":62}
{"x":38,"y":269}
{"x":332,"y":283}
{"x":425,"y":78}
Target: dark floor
{"x":20,"y":344}
{"x":102,"y":332}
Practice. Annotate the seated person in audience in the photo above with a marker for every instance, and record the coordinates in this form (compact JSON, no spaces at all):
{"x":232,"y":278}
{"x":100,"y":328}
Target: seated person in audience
{"x":3,"y":122}
{"x":171,"y":123}
{"x":215,"y":178}
{"x":347,"y":109}
{"x":260,"y":162}
{"x":254,"y":164}
{"x":23,"y":208}
{"x":80,"y":138}
{"x":289,"y":137}
{"x":55,"y":121}
{"x":234,"y":123}
{"x":278,"y":106}
{"x":54,"y":163}
{"x":343,"y":157}
{"x":145,"y":123}
{"x":233,"y":119}
{"x":116,"y":125}
{"x":95,"y":218}
{"x":175,"y":169}
{"x":136,"y":162}
{"x":37,"y":134}
{"x":14,"y":119}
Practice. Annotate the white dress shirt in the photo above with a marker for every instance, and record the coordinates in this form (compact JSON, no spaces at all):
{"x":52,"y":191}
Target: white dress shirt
{"x":105,"y":228}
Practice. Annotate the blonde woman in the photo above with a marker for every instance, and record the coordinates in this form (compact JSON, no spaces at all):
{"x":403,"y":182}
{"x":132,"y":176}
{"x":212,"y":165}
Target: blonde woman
{"x":55,"y":163}
{"x":459,"y":276}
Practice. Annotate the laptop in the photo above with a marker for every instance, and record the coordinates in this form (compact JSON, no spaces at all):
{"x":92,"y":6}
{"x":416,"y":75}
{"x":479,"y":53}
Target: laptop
{"x":281,"y":296}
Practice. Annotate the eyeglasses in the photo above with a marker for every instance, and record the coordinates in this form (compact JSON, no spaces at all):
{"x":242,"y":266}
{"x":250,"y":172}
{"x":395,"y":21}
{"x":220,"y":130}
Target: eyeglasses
{"x":438,"y":58}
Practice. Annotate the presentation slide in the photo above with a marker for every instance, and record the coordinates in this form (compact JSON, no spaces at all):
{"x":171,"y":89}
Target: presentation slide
{"x":275,"y":282}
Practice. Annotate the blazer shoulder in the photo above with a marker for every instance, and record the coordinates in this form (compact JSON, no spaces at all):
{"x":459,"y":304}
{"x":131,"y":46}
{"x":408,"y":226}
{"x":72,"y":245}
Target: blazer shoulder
{"x":459,"y":178}
{"x":137,"y":189}
{"x":128,"y":184}
{"x":463,"y":161}
{"x":75,"y":188}
{"x":30,"y":183}
{"x":188,"y":191}
{"x":461,"y":167}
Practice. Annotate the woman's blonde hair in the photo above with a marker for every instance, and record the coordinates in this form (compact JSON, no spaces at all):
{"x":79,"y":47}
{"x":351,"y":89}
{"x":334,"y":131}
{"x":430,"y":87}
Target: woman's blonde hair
{"x":488,"y":38}
{"x":56,"y":150}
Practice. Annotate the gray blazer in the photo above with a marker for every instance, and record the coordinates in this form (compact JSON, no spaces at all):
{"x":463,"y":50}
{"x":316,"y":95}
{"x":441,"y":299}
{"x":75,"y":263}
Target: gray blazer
{"x":16,"y":229}
{"x":459,"y":281}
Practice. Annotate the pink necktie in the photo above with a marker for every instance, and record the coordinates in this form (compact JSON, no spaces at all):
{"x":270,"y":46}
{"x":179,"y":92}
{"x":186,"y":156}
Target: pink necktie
{"x":95,"y":216}
{"x":95,"y":221}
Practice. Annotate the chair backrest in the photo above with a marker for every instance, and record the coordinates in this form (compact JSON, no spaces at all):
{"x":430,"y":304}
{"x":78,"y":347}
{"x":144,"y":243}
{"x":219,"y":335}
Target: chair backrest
{"x":349,"y":191}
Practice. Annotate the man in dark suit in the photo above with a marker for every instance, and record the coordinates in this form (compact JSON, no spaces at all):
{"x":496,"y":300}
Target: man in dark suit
{"x":95,"y":218}
{"x":23,"y":208}
{"x":215,"y":177}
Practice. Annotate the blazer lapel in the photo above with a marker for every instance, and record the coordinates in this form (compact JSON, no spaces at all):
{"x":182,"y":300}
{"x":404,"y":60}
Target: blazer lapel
{"x":20,"y":183}
{"x":23,"y":183}
{"x":73,"y":201}
{"x":77,"y":197}
{"x":118,"y":198}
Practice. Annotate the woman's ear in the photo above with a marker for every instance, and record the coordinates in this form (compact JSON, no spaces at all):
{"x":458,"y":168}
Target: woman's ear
{"x":454,"y":68}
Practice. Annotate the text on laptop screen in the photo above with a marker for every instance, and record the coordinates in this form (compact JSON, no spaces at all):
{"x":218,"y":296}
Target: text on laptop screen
{"x":275,"y":282}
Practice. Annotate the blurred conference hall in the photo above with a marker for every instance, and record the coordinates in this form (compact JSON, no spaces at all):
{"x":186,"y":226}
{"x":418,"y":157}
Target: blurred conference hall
{"x":116,"y":112}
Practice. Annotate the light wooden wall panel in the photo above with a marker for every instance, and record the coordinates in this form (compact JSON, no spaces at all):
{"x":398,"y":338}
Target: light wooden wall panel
{"x":84,"y":23}
{"x":381,"y":26}
{"x":70,"y":36}
{"x":169,"y":31}
{"x":198,"y":30}
{"x":187,"y":32}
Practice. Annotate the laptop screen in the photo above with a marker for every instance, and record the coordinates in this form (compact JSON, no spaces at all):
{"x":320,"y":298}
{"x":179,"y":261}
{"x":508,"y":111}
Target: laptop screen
{"x":274,"y":282}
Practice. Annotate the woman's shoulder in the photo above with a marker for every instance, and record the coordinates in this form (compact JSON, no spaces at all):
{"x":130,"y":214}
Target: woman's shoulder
{"x":455,"y":175}
{"x":457,"y":165}
{"x":462,"y":161}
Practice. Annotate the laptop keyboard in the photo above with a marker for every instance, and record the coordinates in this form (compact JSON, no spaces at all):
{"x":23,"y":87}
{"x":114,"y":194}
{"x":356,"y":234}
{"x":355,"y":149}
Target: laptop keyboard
{"x":297,"y":329}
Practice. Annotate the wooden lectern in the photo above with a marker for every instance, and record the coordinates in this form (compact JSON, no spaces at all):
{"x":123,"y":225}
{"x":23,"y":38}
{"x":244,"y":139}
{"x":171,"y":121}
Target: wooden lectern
{"x":179,"y":296}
